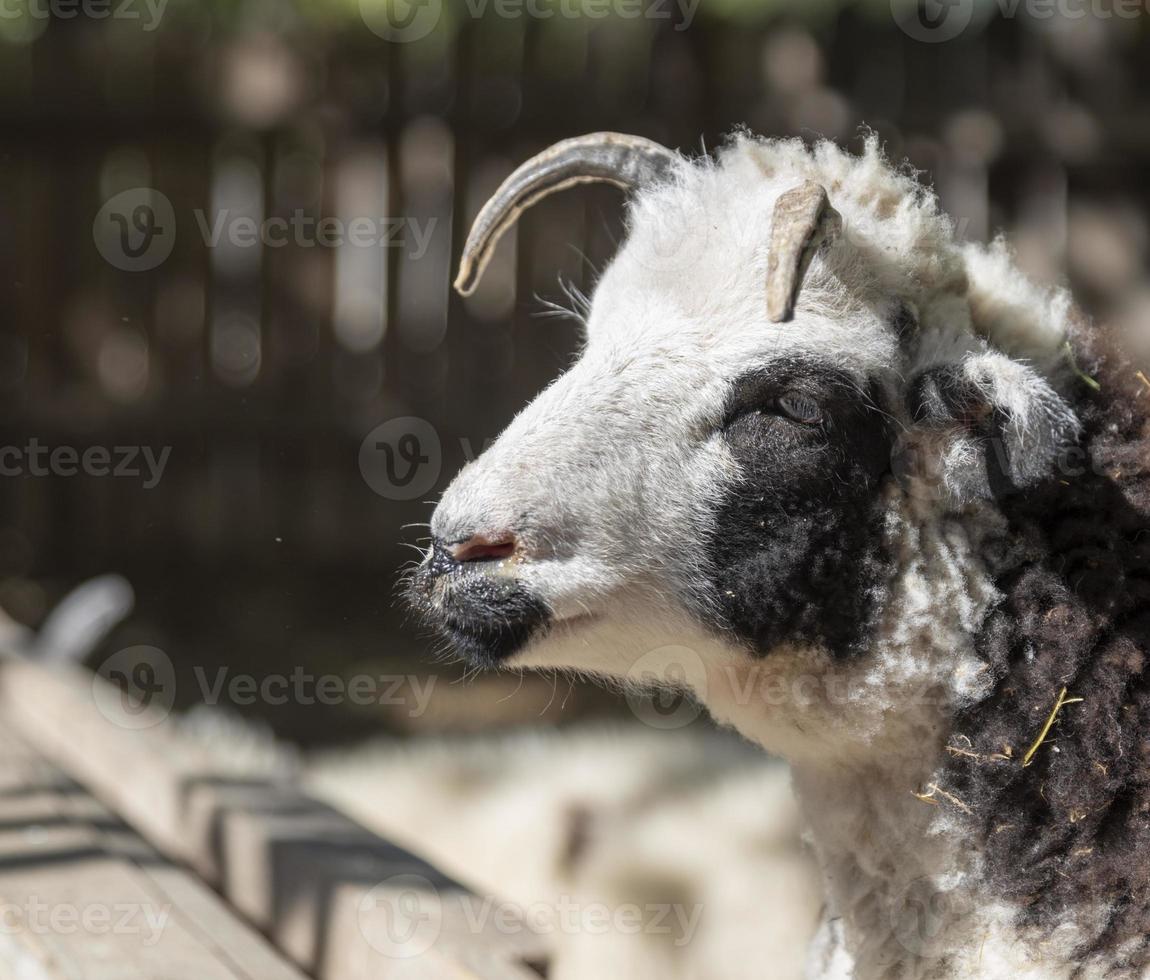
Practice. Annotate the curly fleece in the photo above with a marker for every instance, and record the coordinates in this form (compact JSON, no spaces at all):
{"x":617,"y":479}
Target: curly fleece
{"x":1072,"y":828}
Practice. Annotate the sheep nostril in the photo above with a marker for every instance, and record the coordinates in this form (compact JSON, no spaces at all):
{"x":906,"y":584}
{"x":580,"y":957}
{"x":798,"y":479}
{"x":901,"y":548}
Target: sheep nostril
{"x":484,"y":547}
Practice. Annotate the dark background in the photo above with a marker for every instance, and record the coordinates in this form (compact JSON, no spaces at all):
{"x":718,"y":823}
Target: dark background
{"x":264,"y":545}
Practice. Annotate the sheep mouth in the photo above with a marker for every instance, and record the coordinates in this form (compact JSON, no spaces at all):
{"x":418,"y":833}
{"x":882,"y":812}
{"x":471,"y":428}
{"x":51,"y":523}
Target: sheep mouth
{"x":490,"y":644}
{"x":486,"y":621}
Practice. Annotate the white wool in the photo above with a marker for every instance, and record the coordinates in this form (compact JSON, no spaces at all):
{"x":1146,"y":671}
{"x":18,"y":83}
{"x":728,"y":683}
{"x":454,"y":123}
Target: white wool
{"x":1018,"y":316}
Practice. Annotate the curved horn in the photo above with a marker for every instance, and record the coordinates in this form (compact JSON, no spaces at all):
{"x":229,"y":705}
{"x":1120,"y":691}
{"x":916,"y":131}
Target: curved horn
{"x":614,"y":158}
{"x":803,"y":220}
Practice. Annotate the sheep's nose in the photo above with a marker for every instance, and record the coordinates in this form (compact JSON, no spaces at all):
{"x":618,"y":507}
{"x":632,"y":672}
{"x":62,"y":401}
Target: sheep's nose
{"x":448,"y":555}
{"x":486,"y":610}
{"x":484,"y":547}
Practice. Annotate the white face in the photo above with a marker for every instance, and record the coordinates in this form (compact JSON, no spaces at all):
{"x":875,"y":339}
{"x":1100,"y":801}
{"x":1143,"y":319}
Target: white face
{"x":703,"y":478}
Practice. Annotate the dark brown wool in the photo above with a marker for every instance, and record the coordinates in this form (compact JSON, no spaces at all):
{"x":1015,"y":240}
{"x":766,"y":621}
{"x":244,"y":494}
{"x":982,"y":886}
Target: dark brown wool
{"x":1072,"y":830}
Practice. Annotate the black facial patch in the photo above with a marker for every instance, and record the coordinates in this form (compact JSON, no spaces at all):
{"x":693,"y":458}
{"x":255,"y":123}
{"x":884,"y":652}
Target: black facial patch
{"x":485,"y":618}
{"x":797,"y":553}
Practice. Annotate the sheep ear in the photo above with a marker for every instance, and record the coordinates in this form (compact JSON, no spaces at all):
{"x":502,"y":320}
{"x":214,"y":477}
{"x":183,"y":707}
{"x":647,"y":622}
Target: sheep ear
{"x":983,"y":428}
{"x":802,"y":221}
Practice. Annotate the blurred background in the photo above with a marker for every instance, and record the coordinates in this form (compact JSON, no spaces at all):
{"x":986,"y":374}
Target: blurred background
{"x":229,"y":230}
{"x":232,"y":370}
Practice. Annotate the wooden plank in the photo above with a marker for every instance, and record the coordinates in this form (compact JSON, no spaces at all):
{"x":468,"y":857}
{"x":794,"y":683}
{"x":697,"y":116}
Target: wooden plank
{"x":338,"y":900}
{"x":82,"y":897}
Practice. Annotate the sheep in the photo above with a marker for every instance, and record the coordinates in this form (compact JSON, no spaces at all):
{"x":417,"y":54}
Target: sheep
{"x":881,"y":504}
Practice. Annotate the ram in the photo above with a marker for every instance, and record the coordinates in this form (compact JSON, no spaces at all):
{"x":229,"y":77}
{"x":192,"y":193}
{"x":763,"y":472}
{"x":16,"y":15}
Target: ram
{"x":879,"y":502}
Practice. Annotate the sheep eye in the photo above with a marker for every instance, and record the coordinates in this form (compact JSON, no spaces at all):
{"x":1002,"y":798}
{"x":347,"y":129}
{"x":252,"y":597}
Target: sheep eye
{"x":800,"y":408}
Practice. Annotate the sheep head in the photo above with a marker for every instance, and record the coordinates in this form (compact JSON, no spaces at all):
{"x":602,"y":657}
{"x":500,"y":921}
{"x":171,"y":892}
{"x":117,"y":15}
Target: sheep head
{"x":799,"y":399}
